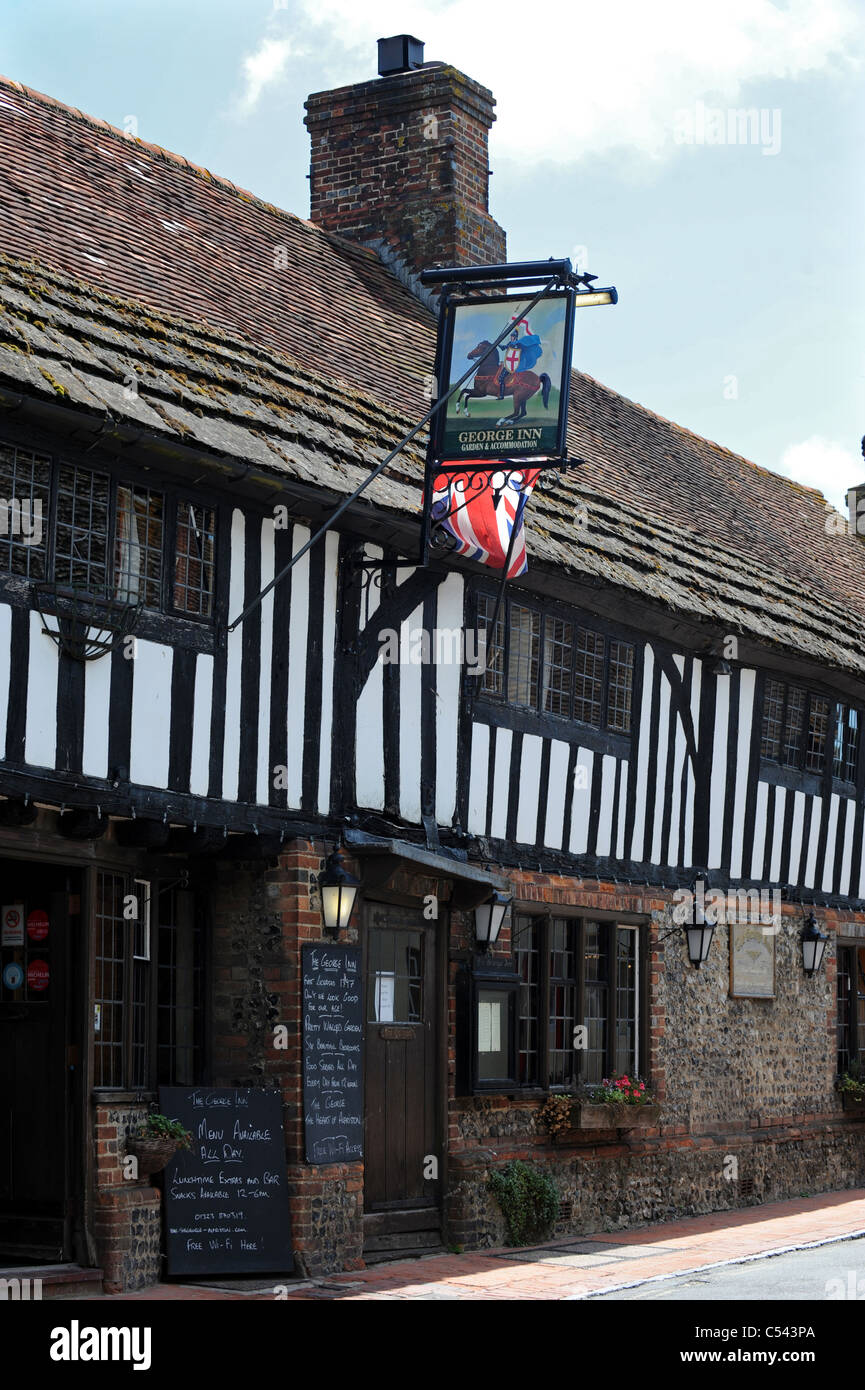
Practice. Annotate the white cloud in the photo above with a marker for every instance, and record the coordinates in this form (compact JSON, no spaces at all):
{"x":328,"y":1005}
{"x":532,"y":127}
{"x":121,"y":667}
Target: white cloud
{"x":605,"y":75}
{"x":262,"y":68}
{"x":823,"y":464}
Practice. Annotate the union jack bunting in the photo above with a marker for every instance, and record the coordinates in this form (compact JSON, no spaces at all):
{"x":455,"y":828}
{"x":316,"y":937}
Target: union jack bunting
{"x":481,"y":510}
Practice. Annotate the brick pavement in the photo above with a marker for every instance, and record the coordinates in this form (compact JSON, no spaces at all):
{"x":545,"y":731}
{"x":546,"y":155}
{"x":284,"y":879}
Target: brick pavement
{"x":575,"y":1267}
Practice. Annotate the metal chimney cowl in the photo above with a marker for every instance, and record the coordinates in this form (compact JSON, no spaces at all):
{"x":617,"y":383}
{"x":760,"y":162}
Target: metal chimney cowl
{"x":401,"y":53}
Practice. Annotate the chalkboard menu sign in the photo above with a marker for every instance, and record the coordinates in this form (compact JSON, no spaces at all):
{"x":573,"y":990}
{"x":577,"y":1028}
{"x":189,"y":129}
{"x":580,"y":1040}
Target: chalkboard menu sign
{"x":226,"y":1200}
{"x":332,"y":1053}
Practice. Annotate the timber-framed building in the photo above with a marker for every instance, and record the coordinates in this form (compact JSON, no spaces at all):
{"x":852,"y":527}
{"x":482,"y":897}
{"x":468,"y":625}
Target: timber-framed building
{"x":191,"y":381}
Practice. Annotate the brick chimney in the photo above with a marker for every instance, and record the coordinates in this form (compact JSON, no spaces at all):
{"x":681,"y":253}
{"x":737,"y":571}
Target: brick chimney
{"x":401,"y":163}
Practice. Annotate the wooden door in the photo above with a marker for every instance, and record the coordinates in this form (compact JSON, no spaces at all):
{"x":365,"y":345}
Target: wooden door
{"x":401,"y":1140}
{"x":35,"y":1123}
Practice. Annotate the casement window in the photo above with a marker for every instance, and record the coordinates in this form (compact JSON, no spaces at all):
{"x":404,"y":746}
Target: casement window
{"x":800,"y":727}
{"x":88,"y":531}
{"x":121,"y":1002}
{"x":148,"y":986}
{"x":577,"y":973}
{"x":850,"y":1015}
{"x":846,"y":750}
{"x":553,"y":664}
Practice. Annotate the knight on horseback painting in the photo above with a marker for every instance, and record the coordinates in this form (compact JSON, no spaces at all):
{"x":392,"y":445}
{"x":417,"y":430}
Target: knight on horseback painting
{"x":529,"y":366}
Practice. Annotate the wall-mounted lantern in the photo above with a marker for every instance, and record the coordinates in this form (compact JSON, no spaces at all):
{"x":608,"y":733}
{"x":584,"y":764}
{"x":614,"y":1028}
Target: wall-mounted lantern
{"x":338,"y":890}
{"x":699,"y":934}
{"x":813,"y":945}
{"x":489,"y":917}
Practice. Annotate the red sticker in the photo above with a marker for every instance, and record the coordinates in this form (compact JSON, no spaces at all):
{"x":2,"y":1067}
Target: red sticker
{"x":37,"y":974}
{"x":37,"y":925}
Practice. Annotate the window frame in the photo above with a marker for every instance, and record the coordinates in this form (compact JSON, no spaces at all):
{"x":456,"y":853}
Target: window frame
{"x":164,"y":912}
{"x":855,"y":1045}
{"x":797,"y":774}
{"x":134,"y":881}
{"x":843,"y":710}
{"x":486,"y":978}
{"x":487,"y":972}
{"x":536,"y":714}
{"x":165,"y":622}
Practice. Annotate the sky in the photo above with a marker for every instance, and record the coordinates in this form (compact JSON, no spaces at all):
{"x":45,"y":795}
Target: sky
{"x":735,"y":245}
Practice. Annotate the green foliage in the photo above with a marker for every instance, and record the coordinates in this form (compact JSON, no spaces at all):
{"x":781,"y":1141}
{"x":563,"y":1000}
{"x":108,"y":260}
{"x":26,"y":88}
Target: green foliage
{"x":853,"y":1083}
{"x":528,"y":1199}
{"x":160,"y":1127}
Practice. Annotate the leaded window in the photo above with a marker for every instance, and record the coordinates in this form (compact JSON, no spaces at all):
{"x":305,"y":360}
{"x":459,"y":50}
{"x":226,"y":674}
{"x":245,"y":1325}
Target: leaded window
{"x":548,"y":662}
{"x":493,"y":679}
{"x":193,"y":571}
{"x":558,"y":670}
{"x":794,"y":725}
{"x":846,"y":750}
{"x":87,"y":531}
{"x":589,"y":664}
{"x":799,"y":726}
{"x":81,"y":529}
{"x":138,"y":546}
{"x":523,"y":655}
{"x":620,"y":687}
{"x":818,"y":731}
{"x":25,"y":491}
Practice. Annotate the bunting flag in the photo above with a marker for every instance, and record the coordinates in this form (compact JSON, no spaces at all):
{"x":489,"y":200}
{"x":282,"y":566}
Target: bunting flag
{"x":481,"y":519}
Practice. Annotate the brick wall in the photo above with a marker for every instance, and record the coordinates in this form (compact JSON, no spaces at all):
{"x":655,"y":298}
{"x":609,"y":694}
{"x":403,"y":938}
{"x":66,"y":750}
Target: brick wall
{"x":404,"y":160}
{"x":262,"y":917}
{"x":126,"y":1210}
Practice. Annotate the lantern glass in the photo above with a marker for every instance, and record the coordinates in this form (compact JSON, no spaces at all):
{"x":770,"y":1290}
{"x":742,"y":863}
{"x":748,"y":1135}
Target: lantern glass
{"x":699,"y":942}
{"x":813,"y":946}
{"x":338,"y":892}
{"x":489,"y":917}
{"x":337,"y":903}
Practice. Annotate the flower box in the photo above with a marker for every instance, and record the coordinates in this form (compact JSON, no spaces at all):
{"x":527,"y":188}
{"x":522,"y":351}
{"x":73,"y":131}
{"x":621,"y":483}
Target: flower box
{"x":614,"y":1115}
{"x":852,"y":1104}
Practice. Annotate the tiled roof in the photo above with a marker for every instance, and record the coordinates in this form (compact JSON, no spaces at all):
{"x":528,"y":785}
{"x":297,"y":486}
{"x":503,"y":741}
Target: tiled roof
{"x":143,"y":264}
{"x":145,"y":224}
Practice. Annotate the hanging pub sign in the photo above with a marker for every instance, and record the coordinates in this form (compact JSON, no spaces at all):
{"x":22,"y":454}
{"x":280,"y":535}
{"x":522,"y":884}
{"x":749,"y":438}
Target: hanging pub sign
{"x":514,"y":404}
